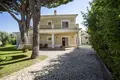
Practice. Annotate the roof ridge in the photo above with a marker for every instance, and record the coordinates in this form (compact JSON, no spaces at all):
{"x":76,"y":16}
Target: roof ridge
{"x":62,"y":15}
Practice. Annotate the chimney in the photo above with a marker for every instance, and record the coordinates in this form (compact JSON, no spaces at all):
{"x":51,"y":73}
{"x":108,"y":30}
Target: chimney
{"x":55,"y":12}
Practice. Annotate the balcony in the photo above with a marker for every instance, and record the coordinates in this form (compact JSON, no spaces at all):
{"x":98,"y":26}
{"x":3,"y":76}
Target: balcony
{"x":59,"y":27}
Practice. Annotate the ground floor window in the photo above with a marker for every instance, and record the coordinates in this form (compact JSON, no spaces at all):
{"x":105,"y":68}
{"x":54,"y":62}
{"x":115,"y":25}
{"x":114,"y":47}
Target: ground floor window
{"x":49,"y":38}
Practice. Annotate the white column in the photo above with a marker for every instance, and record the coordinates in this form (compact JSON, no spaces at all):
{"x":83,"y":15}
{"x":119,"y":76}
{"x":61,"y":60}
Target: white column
{"x":53,"y":41}
{"x":78,"y":39}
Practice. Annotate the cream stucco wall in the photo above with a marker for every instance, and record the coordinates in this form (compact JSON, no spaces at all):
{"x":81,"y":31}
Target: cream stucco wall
{"x":43,"y":39}
{"x":57,"y":21}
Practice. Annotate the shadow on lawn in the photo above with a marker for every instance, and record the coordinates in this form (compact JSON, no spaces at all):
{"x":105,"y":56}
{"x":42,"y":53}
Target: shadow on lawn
{"x":13,"y":52}
{"x":16,"y":58}
{"x":11,"y":48}
{"x":1,"y":67}
{"x":79,"y":64}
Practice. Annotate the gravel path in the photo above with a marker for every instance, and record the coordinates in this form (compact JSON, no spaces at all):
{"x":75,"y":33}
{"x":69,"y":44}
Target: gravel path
{"x":77,"y":64}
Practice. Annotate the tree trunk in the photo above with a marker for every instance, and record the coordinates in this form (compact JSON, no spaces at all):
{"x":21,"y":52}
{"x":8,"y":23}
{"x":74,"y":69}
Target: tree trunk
{"x":36,"y":20}
{"x":23,"y":34}
{"x":35,"y":48}
{"x":24,"y":37}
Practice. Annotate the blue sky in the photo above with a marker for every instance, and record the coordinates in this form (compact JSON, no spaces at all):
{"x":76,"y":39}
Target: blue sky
{"x":8,"y":24}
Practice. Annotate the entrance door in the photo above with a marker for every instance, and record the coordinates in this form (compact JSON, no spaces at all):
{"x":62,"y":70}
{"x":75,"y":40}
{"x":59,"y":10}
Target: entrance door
{"x":65,"y":41}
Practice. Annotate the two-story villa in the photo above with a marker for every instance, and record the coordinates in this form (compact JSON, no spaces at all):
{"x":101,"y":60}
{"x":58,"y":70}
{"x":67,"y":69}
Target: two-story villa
{"x":59,"y":30}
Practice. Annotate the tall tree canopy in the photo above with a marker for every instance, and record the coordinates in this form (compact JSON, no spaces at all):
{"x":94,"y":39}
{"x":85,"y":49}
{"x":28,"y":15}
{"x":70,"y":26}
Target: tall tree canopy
{"x":28,"y":9}
{"x":103,"y":21}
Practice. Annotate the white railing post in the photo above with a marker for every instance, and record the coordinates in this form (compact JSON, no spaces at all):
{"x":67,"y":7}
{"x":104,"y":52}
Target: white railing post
{"x":52,"y":26}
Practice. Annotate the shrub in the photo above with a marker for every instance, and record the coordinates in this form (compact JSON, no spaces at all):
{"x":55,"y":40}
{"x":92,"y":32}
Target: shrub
{"x":27,"y":47}
{"x":103,"y":21}
{"x":25,"y":50}
{"x":4,"y":38}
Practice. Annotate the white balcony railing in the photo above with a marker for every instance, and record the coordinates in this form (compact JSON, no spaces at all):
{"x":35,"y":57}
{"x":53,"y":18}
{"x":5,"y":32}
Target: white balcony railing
{"x":59,"y":27}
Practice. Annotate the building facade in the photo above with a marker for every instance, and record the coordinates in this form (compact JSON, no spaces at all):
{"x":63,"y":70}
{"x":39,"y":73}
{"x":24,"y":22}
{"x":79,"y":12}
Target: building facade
{"x":58,"y":31}
{"x":85,"y":38}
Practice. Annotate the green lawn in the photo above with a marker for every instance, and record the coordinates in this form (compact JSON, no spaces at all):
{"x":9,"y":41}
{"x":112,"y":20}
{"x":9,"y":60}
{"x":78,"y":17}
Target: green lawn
{"x":12,"y":60}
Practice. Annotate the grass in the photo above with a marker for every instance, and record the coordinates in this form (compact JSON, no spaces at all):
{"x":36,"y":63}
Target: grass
{"x":12,"y":60}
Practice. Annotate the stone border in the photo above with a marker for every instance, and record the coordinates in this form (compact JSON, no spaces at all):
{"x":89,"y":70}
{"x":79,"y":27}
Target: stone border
{"x":106,"y":73}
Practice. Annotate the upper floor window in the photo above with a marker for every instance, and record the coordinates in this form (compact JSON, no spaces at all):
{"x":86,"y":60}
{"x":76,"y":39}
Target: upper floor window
{"x":49,"y":23}
{"x":65,"y":24}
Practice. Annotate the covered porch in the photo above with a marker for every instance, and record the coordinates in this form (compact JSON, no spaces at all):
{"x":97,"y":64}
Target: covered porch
{"x":60,"y":40}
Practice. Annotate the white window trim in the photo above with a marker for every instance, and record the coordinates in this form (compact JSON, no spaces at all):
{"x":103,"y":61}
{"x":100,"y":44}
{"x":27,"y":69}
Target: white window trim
{"x":65,"y":21}
{"x":68,"y":40}
{"x":48,"y":38}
